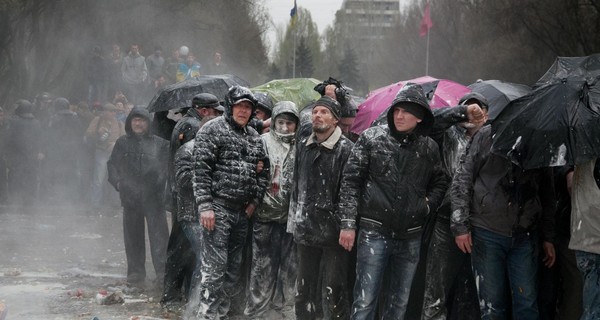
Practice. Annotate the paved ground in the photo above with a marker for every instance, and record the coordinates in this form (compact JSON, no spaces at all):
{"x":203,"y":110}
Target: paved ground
{"x":55,"y":260}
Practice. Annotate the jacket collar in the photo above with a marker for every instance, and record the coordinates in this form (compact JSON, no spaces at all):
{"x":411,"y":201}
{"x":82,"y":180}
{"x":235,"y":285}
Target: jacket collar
{"x":330,"y":142}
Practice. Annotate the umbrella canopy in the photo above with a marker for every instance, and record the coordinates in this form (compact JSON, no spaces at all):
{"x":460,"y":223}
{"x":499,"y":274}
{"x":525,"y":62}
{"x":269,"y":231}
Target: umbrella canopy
{"x":587,"y":67}
{"x":499,"y":94}
{"x":180,"y":94}
{"x":299,"y":90}
{"x":441,"y":93}
{"x":558,"y":124}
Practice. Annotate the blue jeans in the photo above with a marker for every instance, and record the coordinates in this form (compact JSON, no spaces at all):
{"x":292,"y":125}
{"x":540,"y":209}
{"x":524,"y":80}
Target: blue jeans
{"x":589,"y":266}
{"x":493,"y":257}
{"x":375,"y":253}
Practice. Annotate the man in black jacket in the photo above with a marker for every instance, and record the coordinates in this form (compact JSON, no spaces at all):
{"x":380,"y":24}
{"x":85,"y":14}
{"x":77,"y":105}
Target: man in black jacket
{"x":229,"y":182}
{"x":497,"y":211}
{"x":320,"y":160}
{"x":136,"y":169}
{"x":392,"y":181}
{"x":180,"y":264}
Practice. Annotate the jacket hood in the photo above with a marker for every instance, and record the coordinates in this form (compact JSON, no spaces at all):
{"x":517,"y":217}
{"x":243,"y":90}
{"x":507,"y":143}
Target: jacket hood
{"x":235,"y":95}
{"x":284,"y":107}
{"x":140,"y":113}
{"x":412,"y":93}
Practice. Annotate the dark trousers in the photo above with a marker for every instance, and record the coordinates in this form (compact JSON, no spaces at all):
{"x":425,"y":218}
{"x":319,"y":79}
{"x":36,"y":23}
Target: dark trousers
{"x":221,"y":259}
{"x":449,"y":281}
{"x":589,"y":266}
{"x":331,"y":263}
{"x":134,"y":230}
{"x":23,"y":182}
{"x":180,"y":265}
{"x":571,"y":283}
{"x":273,"y":274}
{"x":3,"y":181}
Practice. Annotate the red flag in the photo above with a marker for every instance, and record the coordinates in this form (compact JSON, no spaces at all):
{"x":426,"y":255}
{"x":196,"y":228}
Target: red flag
{"x":426,"y":23}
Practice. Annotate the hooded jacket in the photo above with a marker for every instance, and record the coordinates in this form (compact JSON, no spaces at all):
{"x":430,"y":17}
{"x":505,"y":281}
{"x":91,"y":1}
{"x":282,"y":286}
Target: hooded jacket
{"x":393,"y":180}
{"x":185,"y":130}
{"x":225,"y":160}
{"x":280,"y":148}
{"x":138,"y":163}
{"x":492,"y":193}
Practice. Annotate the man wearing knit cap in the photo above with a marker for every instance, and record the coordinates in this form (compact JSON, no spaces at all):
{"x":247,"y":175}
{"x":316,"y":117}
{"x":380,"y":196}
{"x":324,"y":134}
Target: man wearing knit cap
{"x":320,"y":160}
{"x":393,"y":181}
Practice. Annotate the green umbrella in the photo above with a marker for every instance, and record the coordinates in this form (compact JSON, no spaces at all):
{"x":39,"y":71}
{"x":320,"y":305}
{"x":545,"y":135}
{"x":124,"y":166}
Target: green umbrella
{"x":299,"y":90}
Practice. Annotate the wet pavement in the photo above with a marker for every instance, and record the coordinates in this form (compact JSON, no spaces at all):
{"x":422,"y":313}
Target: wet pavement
{"x":57,"y":262}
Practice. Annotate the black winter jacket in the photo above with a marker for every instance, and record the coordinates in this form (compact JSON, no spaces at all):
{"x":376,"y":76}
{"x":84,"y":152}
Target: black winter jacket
{"x":184,"y":131}
{"x":137,"y":165}
{"x":184,"y":172}
{"x":490,"y":192}
{"x":315,"y":196}
{"x":392,"y":182}
{"x":225,"y":160}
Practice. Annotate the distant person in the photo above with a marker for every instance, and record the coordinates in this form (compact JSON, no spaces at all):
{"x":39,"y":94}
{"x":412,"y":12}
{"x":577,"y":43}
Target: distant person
{"x":217,"y":66}
{"x":102,"y":132}
{"x":97,"y":76}
{"x":171,"y":66}
{"x":136,"y":169}
{"x":114,"y":77}
{"x":42,"y":108}
{"x":135,"y":74}
{"x":23,"y":145}
{"x":154,"y":63}
{"x":62,"y":148}
{"x":188,"y":69}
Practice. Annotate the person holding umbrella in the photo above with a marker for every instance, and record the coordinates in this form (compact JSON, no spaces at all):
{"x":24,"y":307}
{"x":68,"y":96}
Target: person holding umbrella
{"x":498,"y":212}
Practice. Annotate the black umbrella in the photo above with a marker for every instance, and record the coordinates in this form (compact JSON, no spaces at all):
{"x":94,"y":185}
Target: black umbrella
{"x":180,"y":94}
{"x":572,"y":67}
{"x":558,"y":124}
{"x":499,"y":94}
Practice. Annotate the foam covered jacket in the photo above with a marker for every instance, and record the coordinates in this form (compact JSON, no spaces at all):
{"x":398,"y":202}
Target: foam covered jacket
{"x":490,"y":192}
{"x":137,"y":165}
{"x":281,"y":152}
{"x":184,"y":173}
{"x":393,"y":180}
{"x":318,"y":170}
{"x":225,"y":160}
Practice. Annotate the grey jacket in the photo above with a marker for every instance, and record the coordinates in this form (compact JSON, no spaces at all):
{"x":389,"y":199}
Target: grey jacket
{"x":585,"y":215}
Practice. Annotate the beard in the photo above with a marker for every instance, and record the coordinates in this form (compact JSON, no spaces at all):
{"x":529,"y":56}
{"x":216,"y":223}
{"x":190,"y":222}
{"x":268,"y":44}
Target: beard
{"x":321,"y":128}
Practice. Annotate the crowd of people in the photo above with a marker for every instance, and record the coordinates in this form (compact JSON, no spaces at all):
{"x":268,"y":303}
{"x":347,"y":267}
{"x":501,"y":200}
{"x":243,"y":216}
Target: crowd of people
{"x":277,"y":208}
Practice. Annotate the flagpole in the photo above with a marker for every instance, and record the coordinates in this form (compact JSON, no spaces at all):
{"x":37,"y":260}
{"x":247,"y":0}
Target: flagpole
{"x":427,"y":56}
{"x":294,"y":49}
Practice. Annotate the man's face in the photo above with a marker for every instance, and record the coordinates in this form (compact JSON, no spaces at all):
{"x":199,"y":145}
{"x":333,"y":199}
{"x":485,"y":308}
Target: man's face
{"x":261,"y":115}
{"x":217,"y":57}
{"x":322,"y":119}
{"x":284,"y":126}
{"x":190,"y":59}
{"x":135,"y":50}
{"x":208,"y":112}
{"x":345,"y":124}
{"x":139,"y":125}
{"x":242,"y":112}
{"x":109,"y":114}
{"x":404,"y":121}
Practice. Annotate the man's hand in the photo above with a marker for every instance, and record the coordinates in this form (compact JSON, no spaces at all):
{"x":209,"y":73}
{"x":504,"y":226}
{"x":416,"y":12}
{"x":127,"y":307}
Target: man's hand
{"x":207,"y":219}
{"x":260,"y":166}
{"x":250,"y":209}
{"x":347,"y":237}
{"x":549,"y":254}
{"x":266,"y":125}
{"x":475,"y":114}
{"x":464,"y":242}
{"x":330,"y":91}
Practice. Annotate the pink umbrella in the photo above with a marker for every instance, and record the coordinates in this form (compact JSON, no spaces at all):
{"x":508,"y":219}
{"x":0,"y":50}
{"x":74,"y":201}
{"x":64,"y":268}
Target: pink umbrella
{"x":441,"y":93}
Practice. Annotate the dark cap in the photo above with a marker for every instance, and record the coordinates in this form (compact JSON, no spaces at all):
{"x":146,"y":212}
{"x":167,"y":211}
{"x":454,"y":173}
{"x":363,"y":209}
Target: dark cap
{"x":412,"y":108}
{"x":109,"y":107}
{"x":207,"y":100}
{"x":61,"y":103}
{"x":332,"y":105}
{"x":264,"y":102}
